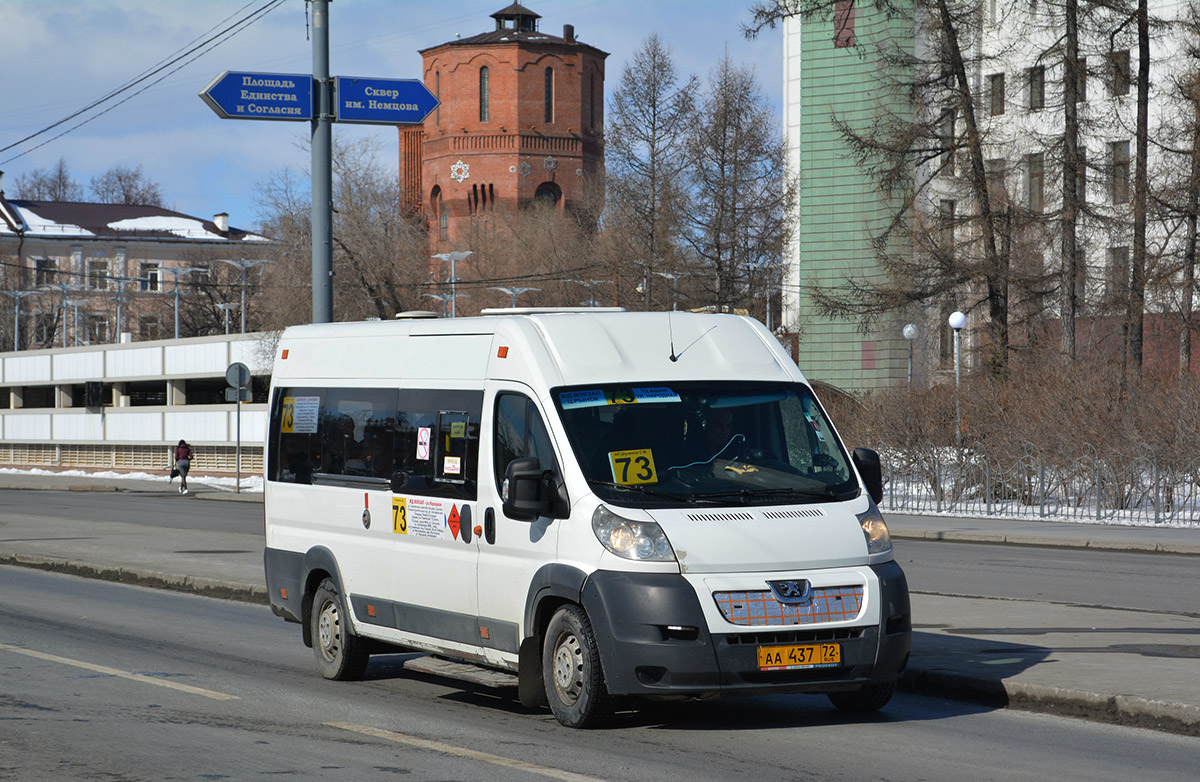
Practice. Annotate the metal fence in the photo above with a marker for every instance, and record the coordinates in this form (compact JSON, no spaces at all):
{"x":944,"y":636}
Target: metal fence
{"x":967,"y":481}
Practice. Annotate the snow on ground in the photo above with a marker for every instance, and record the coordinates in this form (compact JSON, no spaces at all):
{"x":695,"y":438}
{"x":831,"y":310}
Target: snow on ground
{"x":250,"y":483}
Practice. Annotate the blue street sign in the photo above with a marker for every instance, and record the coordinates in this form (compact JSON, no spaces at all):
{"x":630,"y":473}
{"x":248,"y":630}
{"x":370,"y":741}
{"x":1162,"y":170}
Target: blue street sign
{"x":383,"y":101}
{"x":281,"y":96}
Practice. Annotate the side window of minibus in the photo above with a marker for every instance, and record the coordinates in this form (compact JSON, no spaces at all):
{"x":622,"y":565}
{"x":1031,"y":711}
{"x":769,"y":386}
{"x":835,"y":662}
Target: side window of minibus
{"x":519,"y":432}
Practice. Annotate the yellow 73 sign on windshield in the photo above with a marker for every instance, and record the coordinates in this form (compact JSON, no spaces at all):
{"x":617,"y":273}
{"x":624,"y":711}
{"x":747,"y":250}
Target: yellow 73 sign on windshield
{"x":633,"y":466}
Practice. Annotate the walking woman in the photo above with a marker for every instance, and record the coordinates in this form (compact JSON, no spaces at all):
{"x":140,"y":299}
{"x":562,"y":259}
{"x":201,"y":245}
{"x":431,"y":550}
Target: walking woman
{"x":183,"y":463}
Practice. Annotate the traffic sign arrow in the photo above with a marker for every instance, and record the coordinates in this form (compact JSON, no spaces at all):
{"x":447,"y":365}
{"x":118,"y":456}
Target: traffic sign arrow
{"x":383,"y":101}
{"x":279,"y":96}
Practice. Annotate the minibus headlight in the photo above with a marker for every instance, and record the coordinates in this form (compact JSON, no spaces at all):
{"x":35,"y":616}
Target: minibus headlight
{"x":876,"y":532}
{"x":640,"y":540}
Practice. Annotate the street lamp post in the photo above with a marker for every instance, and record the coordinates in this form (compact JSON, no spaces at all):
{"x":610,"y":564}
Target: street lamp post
{"x":226,"y":307}
{"x":243,"y":265}
{"x":64,"y":287}
{"x":177,"y":272}
{"x":591,"y":285}
{"x":453,"y":258}
{"x":514,"y":292}
{"x":443,"y":298}
{"x":75,"y":304}
{"x":17,"y":296}
{"x":120,"y":282}
{"x":674,"y":278}
{"x":957,"y":320}
{"x":910,"y":333}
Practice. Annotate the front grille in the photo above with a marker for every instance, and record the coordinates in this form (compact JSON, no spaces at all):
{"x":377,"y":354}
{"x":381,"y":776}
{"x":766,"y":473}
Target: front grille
{"x":828,"y":604}
{"x":791,"y":637}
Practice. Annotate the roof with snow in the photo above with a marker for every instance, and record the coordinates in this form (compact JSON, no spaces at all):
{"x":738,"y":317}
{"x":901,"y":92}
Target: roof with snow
{"x":64,"y":219}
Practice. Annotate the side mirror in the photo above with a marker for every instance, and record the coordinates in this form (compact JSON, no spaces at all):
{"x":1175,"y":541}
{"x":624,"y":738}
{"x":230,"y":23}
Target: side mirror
{"x":867,"y":462}
{"x":526,"y":492}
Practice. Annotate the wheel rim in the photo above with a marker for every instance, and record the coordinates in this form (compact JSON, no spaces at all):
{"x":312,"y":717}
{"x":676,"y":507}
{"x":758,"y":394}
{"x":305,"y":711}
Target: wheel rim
{"x":568,"y":668}
{"x":328,"y":631}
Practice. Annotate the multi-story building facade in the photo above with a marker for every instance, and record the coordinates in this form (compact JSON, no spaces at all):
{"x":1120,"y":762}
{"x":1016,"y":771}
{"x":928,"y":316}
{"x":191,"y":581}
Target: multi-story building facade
{"x":837,"y":74}
{"x":85,"y":273}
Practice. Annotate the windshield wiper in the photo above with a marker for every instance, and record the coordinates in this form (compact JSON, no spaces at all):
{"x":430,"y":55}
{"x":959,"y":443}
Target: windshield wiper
{"x":745,"y":494}
{"x":651,"y":492}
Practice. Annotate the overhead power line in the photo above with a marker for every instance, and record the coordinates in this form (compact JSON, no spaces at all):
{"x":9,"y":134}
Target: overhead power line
{"x":188,"y":54}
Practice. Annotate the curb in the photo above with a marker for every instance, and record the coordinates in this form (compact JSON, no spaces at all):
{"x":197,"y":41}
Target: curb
{"x":218,"y":496}
{"x":1125,"y":710}
{"x":207,"y":587}
{"x":1141,"y":547}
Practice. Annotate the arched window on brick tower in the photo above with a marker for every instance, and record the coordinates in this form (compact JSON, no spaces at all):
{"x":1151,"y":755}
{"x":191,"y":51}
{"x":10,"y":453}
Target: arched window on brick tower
{"x":484,"y":90}
{"x":548,"y":194}
{"x":440,"y":215}
{"x":549,"y":95}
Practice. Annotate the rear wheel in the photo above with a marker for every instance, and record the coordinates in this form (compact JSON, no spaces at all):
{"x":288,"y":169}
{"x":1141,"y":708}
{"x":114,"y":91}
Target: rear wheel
{"x":571,"y":670}
{"x":340,"y":654}
{"x":871,"y":697}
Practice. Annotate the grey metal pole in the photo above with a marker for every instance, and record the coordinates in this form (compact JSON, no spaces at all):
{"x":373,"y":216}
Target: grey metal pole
{"x":322,"y":169}
{"x":957,"y":395}
{"x":176,"y":306}
{"x":120,"y":292}
{"x":238,"y":457}
{"x":243,"y":310}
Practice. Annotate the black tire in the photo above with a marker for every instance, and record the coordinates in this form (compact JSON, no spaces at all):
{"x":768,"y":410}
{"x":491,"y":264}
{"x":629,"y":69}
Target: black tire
{"x":571,"y":671}
{"x":872,"y":697}
{"x":341,"y":655}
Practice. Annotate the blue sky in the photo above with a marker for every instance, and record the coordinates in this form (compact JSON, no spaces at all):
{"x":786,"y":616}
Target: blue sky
{"x":61,"y":55}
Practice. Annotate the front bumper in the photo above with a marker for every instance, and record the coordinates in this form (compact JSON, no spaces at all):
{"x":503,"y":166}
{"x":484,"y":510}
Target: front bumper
{"x":654,"y":640}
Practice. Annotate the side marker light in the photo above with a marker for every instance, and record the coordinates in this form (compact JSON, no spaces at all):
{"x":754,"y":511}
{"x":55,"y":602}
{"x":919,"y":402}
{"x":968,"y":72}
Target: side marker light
{"x":502,"y":352}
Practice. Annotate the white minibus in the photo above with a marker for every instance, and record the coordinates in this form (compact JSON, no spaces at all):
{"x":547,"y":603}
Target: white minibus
{"x":597,"y":503}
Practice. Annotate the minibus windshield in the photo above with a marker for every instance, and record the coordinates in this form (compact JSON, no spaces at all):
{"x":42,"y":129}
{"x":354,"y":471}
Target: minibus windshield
{"x":727,"y":443}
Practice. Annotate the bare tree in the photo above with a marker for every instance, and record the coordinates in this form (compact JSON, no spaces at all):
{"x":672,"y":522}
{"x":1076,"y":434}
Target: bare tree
{"x":125,"y":185}
{"x":740,"y":206}
{"x":645,"y":155}
{"x":1136,"y":313}
{"x":379,"y":252}
{"x":1175,"y":200}
{"x":48,"y":184}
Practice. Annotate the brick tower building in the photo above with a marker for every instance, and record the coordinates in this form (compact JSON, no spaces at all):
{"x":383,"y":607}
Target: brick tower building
{"x":521,"y":118}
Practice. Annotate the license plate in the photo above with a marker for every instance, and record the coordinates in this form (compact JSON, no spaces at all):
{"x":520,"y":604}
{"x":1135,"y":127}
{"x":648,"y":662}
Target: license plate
{"x":786,"y":658}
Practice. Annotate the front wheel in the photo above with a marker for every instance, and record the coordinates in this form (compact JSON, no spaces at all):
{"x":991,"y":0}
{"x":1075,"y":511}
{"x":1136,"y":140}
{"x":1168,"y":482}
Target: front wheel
{"x":341,"y":655}
{"x":571,"y":670}
{"x":872,"y":697}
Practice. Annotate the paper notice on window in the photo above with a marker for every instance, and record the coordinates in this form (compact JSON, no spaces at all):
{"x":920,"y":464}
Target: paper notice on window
{"x":304,"y":414}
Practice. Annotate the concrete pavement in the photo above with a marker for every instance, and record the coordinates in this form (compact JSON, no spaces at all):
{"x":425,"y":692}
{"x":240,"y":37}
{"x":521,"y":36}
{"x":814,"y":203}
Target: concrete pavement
{"x":1117,"y":665}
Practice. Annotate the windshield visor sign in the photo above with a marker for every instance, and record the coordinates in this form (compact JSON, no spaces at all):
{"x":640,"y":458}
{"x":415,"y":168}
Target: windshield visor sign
{"x":599,"y":398}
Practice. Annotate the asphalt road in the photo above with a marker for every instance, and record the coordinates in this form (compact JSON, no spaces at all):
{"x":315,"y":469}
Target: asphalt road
{"x":1164,"y":583}
{"x":106,"y":681}
{"x":1150,"y":582}
{"x":149,"y":508}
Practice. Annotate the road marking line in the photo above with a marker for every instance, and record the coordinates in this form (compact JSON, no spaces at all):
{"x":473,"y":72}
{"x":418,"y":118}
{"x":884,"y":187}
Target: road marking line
{"x":137,"y":677}
{"x":470,"y":754}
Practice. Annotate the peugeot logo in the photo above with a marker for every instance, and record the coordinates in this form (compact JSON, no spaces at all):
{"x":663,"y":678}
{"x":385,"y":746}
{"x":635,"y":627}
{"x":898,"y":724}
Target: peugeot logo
{"x":797,"y":592}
